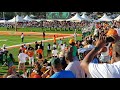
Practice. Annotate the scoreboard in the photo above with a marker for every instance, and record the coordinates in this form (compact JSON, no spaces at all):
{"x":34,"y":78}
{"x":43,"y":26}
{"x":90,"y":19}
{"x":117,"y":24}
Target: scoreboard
{"x":57,"y":15}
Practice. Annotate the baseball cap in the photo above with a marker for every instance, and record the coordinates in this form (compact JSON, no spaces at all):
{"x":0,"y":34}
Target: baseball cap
{"x":71,"y":41}
{"x":55,"y":61}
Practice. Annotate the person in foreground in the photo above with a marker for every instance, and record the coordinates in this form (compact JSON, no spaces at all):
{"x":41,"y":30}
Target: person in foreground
{"x":59,"y":73}
{"x":102,"y":70}
{"x":74,"y":66}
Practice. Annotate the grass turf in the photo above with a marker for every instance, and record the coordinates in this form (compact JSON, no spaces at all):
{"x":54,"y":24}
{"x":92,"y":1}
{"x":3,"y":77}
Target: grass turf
{"x":14,"y":40}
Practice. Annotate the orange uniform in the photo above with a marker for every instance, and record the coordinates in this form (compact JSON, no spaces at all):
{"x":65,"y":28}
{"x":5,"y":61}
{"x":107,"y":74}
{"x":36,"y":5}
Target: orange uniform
{"x":54,"y":39}
{"x":39,"y":51}
{"x":30,"y":53}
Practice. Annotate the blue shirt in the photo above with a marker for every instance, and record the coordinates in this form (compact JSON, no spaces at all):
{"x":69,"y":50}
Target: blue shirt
{"x":95,"y":60}
{"x":63,"y":74}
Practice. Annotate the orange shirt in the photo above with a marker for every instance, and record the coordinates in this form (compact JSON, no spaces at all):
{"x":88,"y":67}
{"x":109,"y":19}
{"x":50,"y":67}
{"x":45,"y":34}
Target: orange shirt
{"x":110,"y":51}
{"x":30,"y":53}
{"x":39,"y":51}
{"x":23,"y":49}
{"x":54,"y":39}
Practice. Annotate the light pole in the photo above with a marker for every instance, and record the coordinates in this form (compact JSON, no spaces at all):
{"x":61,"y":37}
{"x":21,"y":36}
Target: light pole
{"x":15,"y":22}
{"x":4,"y":17}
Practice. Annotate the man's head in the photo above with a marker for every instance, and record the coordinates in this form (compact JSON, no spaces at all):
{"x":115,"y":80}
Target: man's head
{"x":116,"y":51}
{"x":68,"y":57}
{"x":72,"y":42}
{"x":56,"y":64}
{"x":89,"y":41}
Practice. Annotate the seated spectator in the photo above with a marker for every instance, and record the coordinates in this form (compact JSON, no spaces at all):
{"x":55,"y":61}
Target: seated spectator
{"x":59,"y":73}
{"x":36,"y":71}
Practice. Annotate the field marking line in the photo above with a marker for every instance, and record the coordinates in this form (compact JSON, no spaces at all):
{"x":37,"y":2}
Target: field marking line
{"x":4,"y":40}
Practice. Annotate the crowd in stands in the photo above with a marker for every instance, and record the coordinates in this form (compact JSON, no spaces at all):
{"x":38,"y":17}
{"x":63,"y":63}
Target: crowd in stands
{"x":95,"y":56}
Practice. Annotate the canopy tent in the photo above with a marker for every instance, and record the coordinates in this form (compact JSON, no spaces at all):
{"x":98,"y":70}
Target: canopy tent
{"x":32,"y":16}
{"x":76,"y":18}
{"x":85,"y":17}
{"x":38,"y":20}
{"x":17,"y":19}
{"x":27,"y":18}
{"x":3,"y":21}
{"x":117,"y":18}
{"x":104,"y":18}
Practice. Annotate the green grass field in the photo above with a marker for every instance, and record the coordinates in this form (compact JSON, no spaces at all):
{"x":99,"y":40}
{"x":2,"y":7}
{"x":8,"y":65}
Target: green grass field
{"x":14,"y":40}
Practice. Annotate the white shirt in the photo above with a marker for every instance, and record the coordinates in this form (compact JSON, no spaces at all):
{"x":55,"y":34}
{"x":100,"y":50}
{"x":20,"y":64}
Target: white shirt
{"x":22,"y":35}
{"x":62,"y":47}
{"x":22,"y":57}
{"x":105,"y":70}
{"x":55,"y":52}
{"x":54,"y":45}
{"x":49,"y":48}
{"x":96,"y":32}
{"x":76,"y":69}
{"x":90,"y":46}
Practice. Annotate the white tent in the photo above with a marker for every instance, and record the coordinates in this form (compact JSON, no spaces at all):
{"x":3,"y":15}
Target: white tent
{"x":104,"y":18}
{"x":18,"y":19}
{"x":85,"y":17}
{"x":27,"y":18}
{"x":76,"y":18}
{"x":3,"y":21}
{"x":117,"y":18}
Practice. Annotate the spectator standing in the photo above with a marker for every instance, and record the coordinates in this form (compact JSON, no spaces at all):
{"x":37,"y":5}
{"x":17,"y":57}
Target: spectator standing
{"x":74,"y":66}
{"x":22,"y":57}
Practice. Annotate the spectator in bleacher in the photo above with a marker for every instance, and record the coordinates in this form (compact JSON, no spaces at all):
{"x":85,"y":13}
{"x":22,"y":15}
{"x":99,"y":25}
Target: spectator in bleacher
{"x":58,"y":72}
{"x":74,"y":66}
{"x":102,"y":70}
{"x":73,"y":49}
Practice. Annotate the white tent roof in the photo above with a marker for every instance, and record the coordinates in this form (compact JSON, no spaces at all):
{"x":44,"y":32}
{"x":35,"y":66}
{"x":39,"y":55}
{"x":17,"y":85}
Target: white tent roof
{"x":76,"y":18}
{"x":117,"y":18}
{"x":18,"y":19}
{"x":27,"y":18}
{"x":3,"y":21}
{"x":105,"y":18}
{"x":85,"y":17}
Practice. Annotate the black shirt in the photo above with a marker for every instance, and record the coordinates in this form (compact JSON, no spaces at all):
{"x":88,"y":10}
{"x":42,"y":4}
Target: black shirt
{"x":36,"y":46}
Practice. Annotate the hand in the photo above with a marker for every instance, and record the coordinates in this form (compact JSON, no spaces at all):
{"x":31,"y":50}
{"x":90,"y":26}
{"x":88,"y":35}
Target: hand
{"x":101,"y":41}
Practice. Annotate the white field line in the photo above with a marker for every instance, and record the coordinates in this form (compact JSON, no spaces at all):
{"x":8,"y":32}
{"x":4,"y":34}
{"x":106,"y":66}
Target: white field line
{"x":37,"y":41}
